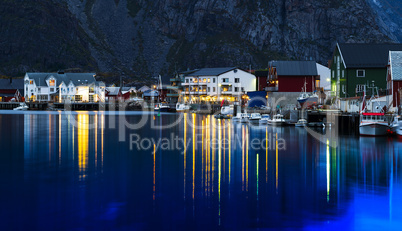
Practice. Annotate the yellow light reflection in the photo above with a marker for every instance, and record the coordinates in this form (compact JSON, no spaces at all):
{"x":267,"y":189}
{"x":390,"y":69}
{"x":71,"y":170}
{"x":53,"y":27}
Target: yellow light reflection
{"x":185,"y":154}
{"x":230,"y":143}
{"x":50,"y":138}
{"x":242,"y":158}
{"x":266,"y":154}
{"x":194,"y":117}
{"x":276,"y":148}
{"x":247,"y":159}
{"x":153,"y":188}
{"x":219,"y":169}
{"x":258,"y":167}
{"x":82,"y":123}
{"x":59,"y":138}
{"x":102,"y":131}
{"x":96,"y":139}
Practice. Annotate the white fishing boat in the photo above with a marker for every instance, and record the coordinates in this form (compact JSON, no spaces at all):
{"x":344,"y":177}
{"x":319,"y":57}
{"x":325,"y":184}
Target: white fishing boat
{"x":306,"y":99}
{"x":244,"y":117}
{"x":264,"y":118}
{"x":301,"y":123}
{"x":181,"y":107}
{"x":22,"y":107}
{"x":255,"y":117}
{"x":373,"y":124}
{"x":277,"y":120}
{"x":227,"y":110}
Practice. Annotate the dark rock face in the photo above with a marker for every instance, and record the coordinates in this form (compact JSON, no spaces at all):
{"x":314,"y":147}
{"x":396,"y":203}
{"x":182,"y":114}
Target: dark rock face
{"x":39,"y":36}
{"x":146,"y":38}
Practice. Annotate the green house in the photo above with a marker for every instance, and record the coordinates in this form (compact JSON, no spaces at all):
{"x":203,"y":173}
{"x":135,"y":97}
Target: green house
{"x":354,"y":65}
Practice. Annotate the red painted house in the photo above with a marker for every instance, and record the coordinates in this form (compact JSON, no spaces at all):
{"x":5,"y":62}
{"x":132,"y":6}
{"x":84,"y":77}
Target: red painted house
{"x":113,"y":94}
{"x":394,"y":77}
{"x":10,"y":90}
{"x":291,"y":76}
{"x":262,"y":82}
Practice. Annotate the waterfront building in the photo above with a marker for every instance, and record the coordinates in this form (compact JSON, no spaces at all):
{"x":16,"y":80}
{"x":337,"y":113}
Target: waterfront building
{"x":59,"y":87}
{"x":11,"y":89}
{"x":113,"y":94}
{"x":355,"y":65}
{"x":176,"y":87}
{"x":292,"y":76}
{"x":394,"y":77}
{"x":216,"y":84}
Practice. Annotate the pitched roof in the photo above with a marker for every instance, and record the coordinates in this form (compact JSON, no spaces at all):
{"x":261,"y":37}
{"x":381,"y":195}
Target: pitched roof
{"x":295,"y":68}
{"x":360,"y":55}
{"x":212,"y":71}
{"x":15,"y":84}
{"x":395,"y":58}
{"x":113,"y":91}
{"x":76,"y":78}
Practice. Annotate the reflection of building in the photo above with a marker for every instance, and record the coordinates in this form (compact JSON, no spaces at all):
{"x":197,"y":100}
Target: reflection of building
{"x":58,"y":87}
{"x":215,"y":84}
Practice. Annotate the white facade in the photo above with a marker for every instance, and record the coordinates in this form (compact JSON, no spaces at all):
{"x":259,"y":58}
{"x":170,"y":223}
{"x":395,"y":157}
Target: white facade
{"x":228,"y":85}
{"x":59,"y":87}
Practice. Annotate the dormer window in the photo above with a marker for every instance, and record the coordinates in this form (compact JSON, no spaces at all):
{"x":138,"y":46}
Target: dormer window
{"x":52,"y":82}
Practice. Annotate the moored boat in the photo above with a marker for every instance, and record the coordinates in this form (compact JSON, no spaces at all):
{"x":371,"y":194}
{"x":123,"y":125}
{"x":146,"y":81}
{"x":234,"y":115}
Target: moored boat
{"x":373,"y":124}
{"x":22,"y":107}
{"x":264,"y":118}
{"x":277,"y":120}
{"x":254,"y":117}
{"x":301,"y":123}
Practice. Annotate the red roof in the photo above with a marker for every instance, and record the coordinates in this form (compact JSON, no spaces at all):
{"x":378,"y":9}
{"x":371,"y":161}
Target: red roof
{"x":372,"y":114}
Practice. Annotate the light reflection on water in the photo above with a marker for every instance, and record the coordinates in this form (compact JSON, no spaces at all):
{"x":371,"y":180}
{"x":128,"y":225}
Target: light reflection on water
{"x":60,"y":175}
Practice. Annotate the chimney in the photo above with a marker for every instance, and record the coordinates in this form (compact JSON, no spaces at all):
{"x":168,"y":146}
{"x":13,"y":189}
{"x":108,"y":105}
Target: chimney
{"x":60,"y":72}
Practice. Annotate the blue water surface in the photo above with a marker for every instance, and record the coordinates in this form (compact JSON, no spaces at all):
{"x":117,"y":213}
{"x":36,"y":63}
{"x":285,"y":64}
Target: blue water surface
{"x":99,"y":170}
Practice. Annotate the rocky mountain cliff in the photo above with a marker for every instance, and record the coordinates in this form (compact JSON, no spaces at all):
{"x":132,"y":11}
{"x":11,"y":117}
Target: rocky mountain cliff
{"x":140,"y":38}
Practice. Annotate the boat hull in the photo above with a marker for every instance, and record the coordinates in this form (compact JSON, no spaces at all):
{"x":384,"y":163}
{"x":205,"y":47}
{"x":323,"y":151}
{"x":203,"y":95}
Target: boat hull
{"x":373,"y":129}
{"x":277,"y":123}
{"x":307,"y":101}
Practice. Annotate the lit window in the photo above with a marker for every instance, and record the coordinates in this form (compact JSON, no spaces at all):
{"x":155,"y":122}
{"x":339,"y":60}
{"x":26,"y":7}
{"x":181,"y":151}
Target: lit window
{"x":52,"y":82}
{"x":209,"y":80}
{"x":30,"y":81}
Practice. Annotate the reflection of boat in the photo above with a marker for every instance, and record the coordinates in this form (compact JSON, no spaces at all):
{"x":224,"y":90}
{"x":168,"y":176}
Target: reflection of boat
{"x":22,"y":107}
{"x":221,"y":116}
{"x":264,"y":119}
{"x":244,"y":117}
{"x":227,"y":110}
{"x":307,"y":99}
{"x":277,"y":120}
{"x":254,"y":117}
{"x":163,"y":107}
{"x":301,"y":123}
{"x":181,"y":107}
{"x":373,"y":124}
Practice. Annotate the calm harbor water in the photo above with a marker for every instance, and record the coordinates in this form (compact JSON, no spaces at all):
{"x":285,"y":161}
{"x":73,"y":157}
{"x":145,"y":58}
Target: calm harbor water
{"x":94,"y":174}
